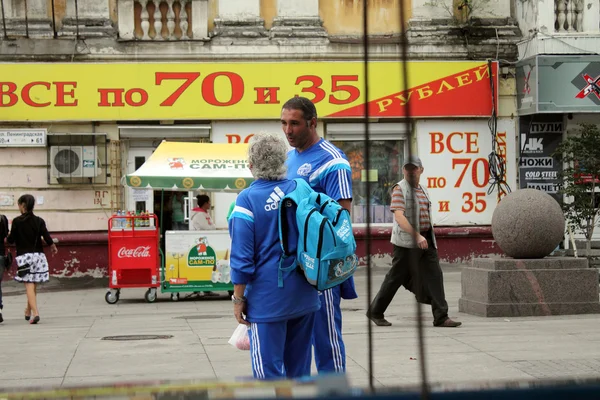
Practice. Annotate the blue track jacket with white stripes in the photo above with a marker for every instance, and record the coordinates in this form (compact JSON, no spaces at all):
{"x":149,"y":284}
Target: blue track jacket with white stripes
{"x":327,"y":170}
{"x":255,"y":254}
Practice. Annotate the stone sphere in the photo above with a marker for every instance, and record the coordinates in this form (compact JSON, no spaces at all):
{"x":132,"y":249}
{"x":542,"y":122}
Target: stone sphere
{"x":528,"y":223}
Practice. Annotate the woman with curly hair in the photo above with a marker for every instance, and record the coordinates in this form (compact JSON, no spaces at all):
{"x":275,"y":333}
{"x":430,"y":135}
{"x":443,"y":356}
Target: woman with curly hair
{"x":26,"y":233}
{"x":280,"y":319}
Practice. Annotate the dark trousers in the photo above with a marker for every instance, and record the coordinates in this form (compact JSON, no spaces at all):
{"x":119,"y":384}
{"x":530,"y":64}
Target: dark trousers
{"x":1,"y":275}
{"x":419,"y":272}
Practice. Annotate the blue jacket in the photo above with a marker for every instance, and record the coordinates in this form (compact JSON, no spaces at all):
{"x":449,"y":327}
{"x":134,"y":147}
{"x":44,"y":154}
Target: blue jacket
{"x":255,"y":254}
{"x":327,"y":170}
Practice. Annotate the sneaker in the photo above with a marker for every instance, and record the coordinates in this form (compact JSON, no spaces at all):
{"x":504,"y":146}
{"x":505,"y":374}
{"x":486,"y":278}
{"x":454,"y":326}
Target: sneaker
{"x":448,"y":323}
{"x":379,"y":321}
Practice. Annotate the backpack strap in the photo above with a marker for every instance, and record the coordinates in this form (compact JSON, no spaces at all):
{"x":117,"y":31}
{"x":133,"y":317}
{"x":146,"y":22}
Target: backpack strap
{"x":283,"y":269}
{"x":282,"y":223}
{"x":284,"y":237}
{"x":301,"y":191}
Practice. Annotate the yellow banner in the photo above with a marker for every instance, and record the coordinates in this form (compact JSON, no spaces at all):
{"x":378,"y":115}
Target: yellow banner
{"x":213,"y":91}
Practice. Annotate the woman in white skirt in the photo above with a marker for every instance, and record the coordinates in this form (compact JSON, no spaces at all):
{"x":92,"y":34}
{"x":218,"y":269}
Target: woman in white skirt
{"x":26,"y":233}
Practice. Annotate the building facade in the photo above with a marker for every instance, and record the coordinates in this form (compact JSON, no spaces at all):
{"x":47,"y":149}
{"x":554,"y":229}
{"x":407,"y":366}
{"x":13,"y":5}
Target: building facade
{"x":90,"y":88}
{"x":558,"y":77}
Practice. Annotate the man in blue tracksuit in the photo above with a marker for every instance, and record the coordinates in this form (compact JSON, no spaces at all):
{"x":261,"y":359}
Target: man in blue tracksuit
{"x":281,"y":319}
{"x":326,"y":169}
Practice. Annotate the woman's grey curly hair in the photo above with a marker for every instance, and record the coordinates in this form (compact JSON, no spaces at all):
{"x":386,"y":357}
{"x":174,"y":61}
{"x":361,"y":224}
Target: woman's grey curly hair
{"x":267,"y":154}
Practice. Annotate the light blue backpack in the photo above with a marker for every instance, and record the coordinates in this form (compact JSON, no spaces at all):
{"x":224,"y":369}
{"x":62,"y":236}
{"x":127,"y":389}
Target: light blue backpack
{"x":325,"y":248}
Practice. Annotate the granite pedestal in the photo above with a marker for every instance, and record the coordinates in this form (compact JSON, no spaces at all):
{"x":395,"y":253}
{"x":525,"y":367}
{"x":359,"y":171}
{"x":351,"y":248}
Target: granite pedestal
{"x":531,"y":287}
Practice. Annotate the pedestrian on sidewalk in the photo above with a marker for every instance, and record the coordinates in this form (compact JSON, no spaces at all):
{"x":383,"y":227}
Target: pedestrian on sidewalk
{"x":281,"y":319}
{"x":327,"y":170}
{"x":3,"y":267}
{"x":177,"y":214}
{"x":424,"y":278}
{"x":26,"y":233}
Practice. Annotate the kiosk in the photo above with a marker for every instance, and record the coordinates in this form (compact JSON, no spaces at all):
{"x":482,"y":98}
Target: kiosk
{"x":194,"y":261}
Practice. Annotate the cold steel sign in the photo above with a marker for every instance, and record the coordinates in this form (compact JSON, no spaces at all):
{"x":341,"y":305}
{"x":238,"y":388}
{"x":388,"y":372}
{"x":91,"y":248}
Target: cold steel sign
{"x":539,"y":137}
{"x":221,"y":91}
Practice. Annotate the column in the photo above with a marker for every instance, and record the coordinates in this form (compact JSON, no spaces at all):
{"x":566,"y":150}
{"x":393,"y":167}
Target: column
{"x":546,"y":16}
{"x":39,"y":22}
{"x":125,"y":9}
{"x":87,"y":9}
{"x":94,"y":19}
{"x":199,"y":19}
{"x":425,"y":10}
{"x":239,"y":18}
{"x":591,"y":16}
{"x":298,"y":19}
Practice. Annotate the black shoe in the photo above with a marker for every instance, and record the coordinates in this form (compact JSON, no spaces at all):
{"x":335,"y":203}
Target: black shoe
{"x":379,"y":321}
{"x":1,"y":319}
{"x":448,"y":323}
{"x":35,"y":320}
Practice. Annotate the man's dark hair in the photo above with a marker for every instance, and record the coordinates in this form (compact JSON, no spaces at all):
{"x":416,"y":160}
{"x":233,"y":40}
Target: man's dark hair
{"x":303,"y":104}
{"x":28,"y":200}
{"x":202,"y":199}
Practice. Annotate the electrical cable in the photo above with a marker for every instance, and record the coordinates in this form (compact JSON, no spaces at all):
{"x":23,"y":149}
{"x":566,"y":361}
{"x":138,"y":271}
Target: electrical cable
{"x":570,"y":45}
{"x":496,"y":161}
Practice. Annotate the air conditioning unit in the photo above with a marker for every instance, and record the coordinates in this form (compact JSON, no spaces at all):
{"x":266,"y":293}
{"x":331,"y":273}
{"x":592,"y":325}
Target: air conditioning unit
{"x":75,"y":161}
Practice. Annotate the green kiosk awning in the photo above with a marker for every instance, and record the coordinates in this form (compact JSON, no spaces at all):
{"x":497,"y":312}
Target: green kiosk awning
{"x":190,"y":166}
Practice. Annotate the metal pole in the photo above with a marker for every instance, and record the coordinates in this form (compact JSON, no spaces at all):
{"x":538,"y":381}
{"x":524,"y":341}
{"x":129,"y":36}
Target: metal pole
{"x":162,"y":207}
{"x":77,"y":19}
{"x":26,"y":19}
{"x":367,"y":159}
{"x":413,"y":255}
{"x":3,"y":19}
{"x":54,"y":21}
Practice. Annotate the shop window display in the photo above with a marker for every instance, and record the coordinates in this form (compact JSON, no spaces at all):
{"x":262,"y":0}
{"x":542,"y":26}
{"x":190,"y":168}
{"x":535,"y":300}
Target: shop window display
{"x":385,"y":170}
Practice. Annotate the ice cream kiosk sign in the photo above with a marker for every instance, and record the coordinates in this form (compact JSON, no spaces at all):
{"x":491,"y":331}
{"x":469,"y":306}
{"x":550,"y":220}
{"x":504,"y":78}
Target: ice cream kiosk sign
{"x":202,"y":255}
{"x":197,"y":260}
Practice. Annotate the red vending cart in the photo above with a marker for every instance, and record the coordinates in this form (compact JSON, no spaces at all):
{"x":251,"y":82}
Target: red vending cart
{"x":134,"y":255}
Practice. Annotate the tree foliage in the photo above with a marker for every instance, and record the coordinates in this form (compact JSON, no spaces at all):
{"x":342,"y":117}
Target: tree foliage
{"x":579,"y":179}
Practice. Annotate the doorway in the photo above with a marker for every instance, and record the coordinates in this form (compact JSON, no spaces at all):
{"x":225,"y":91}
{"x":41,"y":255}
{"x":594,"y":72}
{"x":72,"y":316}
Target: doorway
{"x":139,"y":200}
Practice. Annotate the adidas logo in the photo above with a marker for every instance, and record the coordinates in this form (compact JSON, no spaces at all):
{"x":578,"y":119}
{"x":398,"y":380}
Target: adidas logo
{"x":274,"y":199}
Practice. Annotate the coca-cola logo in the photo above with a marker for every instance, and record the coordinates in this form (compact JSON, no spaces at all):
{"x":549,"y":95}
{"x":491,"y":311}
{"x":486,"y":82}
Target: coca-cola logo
{"x":138,"y":252}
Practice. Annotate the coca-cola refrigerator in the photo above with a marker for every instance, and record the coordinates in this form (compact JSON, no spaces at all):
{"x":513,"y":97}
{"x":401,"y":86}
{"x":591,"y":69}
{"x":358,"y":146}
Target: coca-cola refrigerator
{"x":134,"y":255}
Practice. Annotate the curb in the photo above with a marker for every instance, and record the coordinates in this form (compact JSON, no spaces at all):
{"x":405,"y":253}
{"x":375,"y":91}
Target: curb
{"x":13,"y":288}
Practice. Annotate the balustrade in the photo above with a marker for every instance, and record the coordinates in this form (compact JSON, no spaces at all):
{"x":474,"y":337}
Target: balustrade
{"x":163,"y":19}
{"x":568,"y":16}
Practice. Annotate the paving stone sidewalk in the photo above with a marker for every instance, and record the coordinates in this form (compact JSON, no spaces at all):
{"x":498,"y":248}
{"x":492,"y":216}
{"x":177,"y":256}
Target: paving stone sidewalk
{"x":69,"y":346}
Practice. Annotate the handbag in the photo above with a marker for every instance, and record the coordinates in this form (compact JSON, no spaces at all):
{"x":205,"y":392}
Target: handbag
{"x":8,"y":260}
{"x":23,"y":270}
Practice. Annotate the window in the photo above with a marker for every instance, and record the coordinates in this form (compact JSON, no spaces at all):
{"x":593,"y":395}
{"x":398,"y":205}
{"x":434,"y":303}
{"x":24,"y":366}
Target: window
{"x":387,"y":149}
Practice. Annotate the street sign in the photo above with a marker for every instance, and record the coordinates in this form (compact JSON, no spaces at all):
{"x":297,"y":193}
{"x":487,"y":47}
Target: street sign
{"x":23,"y":138}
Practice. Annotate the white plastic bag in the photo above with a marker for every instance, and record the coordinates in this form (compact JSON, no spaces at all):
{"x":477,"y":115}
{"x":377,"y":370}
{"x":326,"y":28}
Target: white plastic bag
{"x":240,"y":339}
